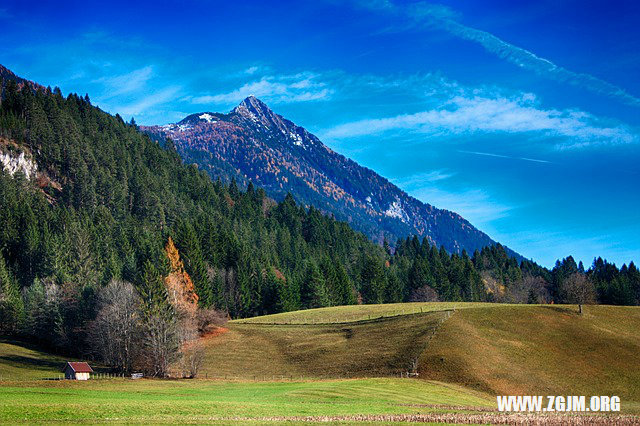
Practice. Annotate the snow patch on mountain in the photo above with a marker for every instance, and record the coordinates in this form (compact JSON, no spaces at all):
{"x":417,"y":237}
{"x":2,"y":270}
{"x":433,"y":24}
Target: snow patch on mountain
{"x":207,"y":117}
{"x":297,"y":140}
{"x":395,"y":210}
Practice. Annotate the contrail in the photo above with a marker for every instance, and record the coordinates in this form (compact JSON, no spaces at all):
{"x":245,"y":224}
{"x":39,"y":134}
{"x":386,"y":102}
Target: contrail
{"x":442,"y":17}
{"x":489,"y":154}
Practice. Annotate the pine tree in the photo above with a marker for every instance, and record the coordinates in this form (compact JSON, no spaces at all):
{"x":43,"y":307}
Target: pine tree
{"x":11,"y":304}
{"x":191,"y":250}
{"x":372,"y":280}
{"x":314,"y":291}
{"x":345,"y":292}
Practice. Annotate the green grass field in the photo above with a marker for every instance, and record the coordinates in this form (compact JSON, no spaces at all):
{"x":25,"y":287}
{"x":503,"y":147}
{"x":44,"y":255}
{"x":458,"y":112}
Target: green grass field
{"x":21,"y":361}
{"x":344,"y":363}
{"x":206,"y":400}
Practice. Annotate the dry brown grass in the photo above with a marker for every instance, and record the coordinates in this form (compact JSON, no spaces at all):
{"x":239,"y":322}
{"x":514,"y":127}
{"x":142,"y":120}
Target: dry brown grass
{"x":540,"y":350}
{"x":367,"y":349}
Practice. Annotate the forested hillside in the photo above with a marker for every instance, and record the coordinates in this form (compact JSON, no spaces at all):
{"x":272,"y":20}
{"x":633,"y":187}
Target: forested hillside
{"x":90,"y":209}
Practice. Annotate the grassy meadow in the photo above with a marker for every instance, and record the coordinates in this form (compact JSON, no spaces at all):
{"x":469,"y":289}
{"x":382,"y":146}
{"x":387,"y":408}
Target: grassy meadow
{"x":325,"y":365}
{"x":492,"y":348}
{"x":209,"y":400}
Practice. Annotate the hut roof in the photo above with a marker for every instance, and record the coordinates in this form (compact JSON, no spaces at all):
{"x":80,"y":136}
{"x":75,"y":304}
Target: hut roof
{"x":79,"y":367}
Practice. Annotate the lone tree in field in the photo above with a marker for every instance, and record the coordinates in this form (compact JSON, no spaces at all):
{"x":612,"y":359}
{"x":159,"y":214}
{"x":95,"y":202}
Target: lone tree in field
{"x":579,"y":290}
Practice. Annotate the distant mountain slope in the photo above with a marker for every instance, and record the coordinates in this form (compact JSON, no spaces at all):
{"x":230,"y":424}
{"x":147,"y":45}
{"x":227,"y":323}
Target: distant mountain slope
{"x":7,"y":75}
{"x":252,"y":143}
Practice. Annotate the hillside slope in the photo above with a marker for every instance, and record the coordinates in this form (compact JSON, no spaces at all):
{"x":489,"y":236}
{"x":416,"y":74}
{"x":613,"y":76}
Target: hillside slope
{"x":252,"y":143}
{"x":499,"y":349}
{"x":542,"y":350}
{"x":21,"y":361}
{"x":376,"y":348}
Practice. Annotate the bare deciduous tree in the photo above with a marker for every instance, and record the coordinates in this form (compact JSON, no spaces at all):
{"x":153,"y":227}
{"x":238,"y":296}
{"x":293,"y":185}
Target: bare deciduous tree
{"x":115,"y":333}
{"x":424,"y":294}
{"x":192,"y":358}
{"x":209,"y":319}
{"x":579,"y":290}
{"x":531,"y":289}
{"x":161,"y":337}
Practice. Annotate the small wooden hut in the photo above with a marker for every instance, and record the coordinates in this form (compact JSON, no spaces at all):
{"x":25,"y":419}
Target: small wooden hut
{"x":77,"y":371}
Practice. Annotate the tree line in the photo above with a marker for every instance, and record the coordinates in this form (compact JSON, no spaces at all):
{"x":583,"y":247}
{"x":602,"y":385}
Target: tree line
{"x":99,"y":239}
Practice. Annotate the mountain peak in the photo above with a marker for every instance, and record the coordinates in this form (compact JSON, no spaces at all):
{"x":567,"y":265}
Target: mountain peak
{"x":254,"y":106}
{"x":252,"y":100}
{"x":254,"y":110}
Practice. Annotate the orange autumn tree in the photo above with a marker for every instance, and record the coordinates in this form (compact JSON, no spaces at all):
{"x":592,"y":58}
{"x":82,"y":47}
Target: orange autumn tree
{"x":181,"y":291}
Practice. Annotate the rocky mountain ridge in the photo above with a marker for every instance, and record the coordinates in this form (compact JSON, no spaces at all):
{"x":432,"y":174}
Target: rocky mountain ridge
{"x":253,"y":143}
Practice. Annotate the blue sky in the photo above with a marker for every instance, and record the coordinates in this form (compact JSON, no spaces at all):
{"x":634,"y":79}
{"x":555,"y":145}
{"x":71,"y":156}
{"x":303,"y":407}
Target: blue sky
{"x":524,"y":117}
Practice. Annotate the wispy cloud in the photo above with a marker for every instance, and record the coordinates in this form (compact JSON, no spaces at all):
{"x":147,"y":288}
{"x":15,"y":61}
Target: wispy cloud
{"x":148,"y":102}
{"x":474,"y":205}
{"x":301,"y":87}
{"x":417,"y":180}
{"x":437,"y":16}
{"x":490,"y":154}
{"x":125,"y":83}
{"x":469,"y":114}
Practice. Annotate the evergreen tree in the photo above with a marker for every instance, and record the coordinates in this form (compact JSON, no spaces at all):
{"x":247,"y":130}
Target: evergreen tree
{"x":372,"y":280}
{"x":314,"y":292}
{"x":11,"y":304}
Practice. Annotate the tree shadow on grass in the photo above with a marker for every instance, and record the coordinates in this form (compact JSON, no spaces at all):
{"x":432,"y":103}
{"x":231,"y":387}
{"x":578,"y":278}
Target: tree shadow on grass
{"x":30,"y":362}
